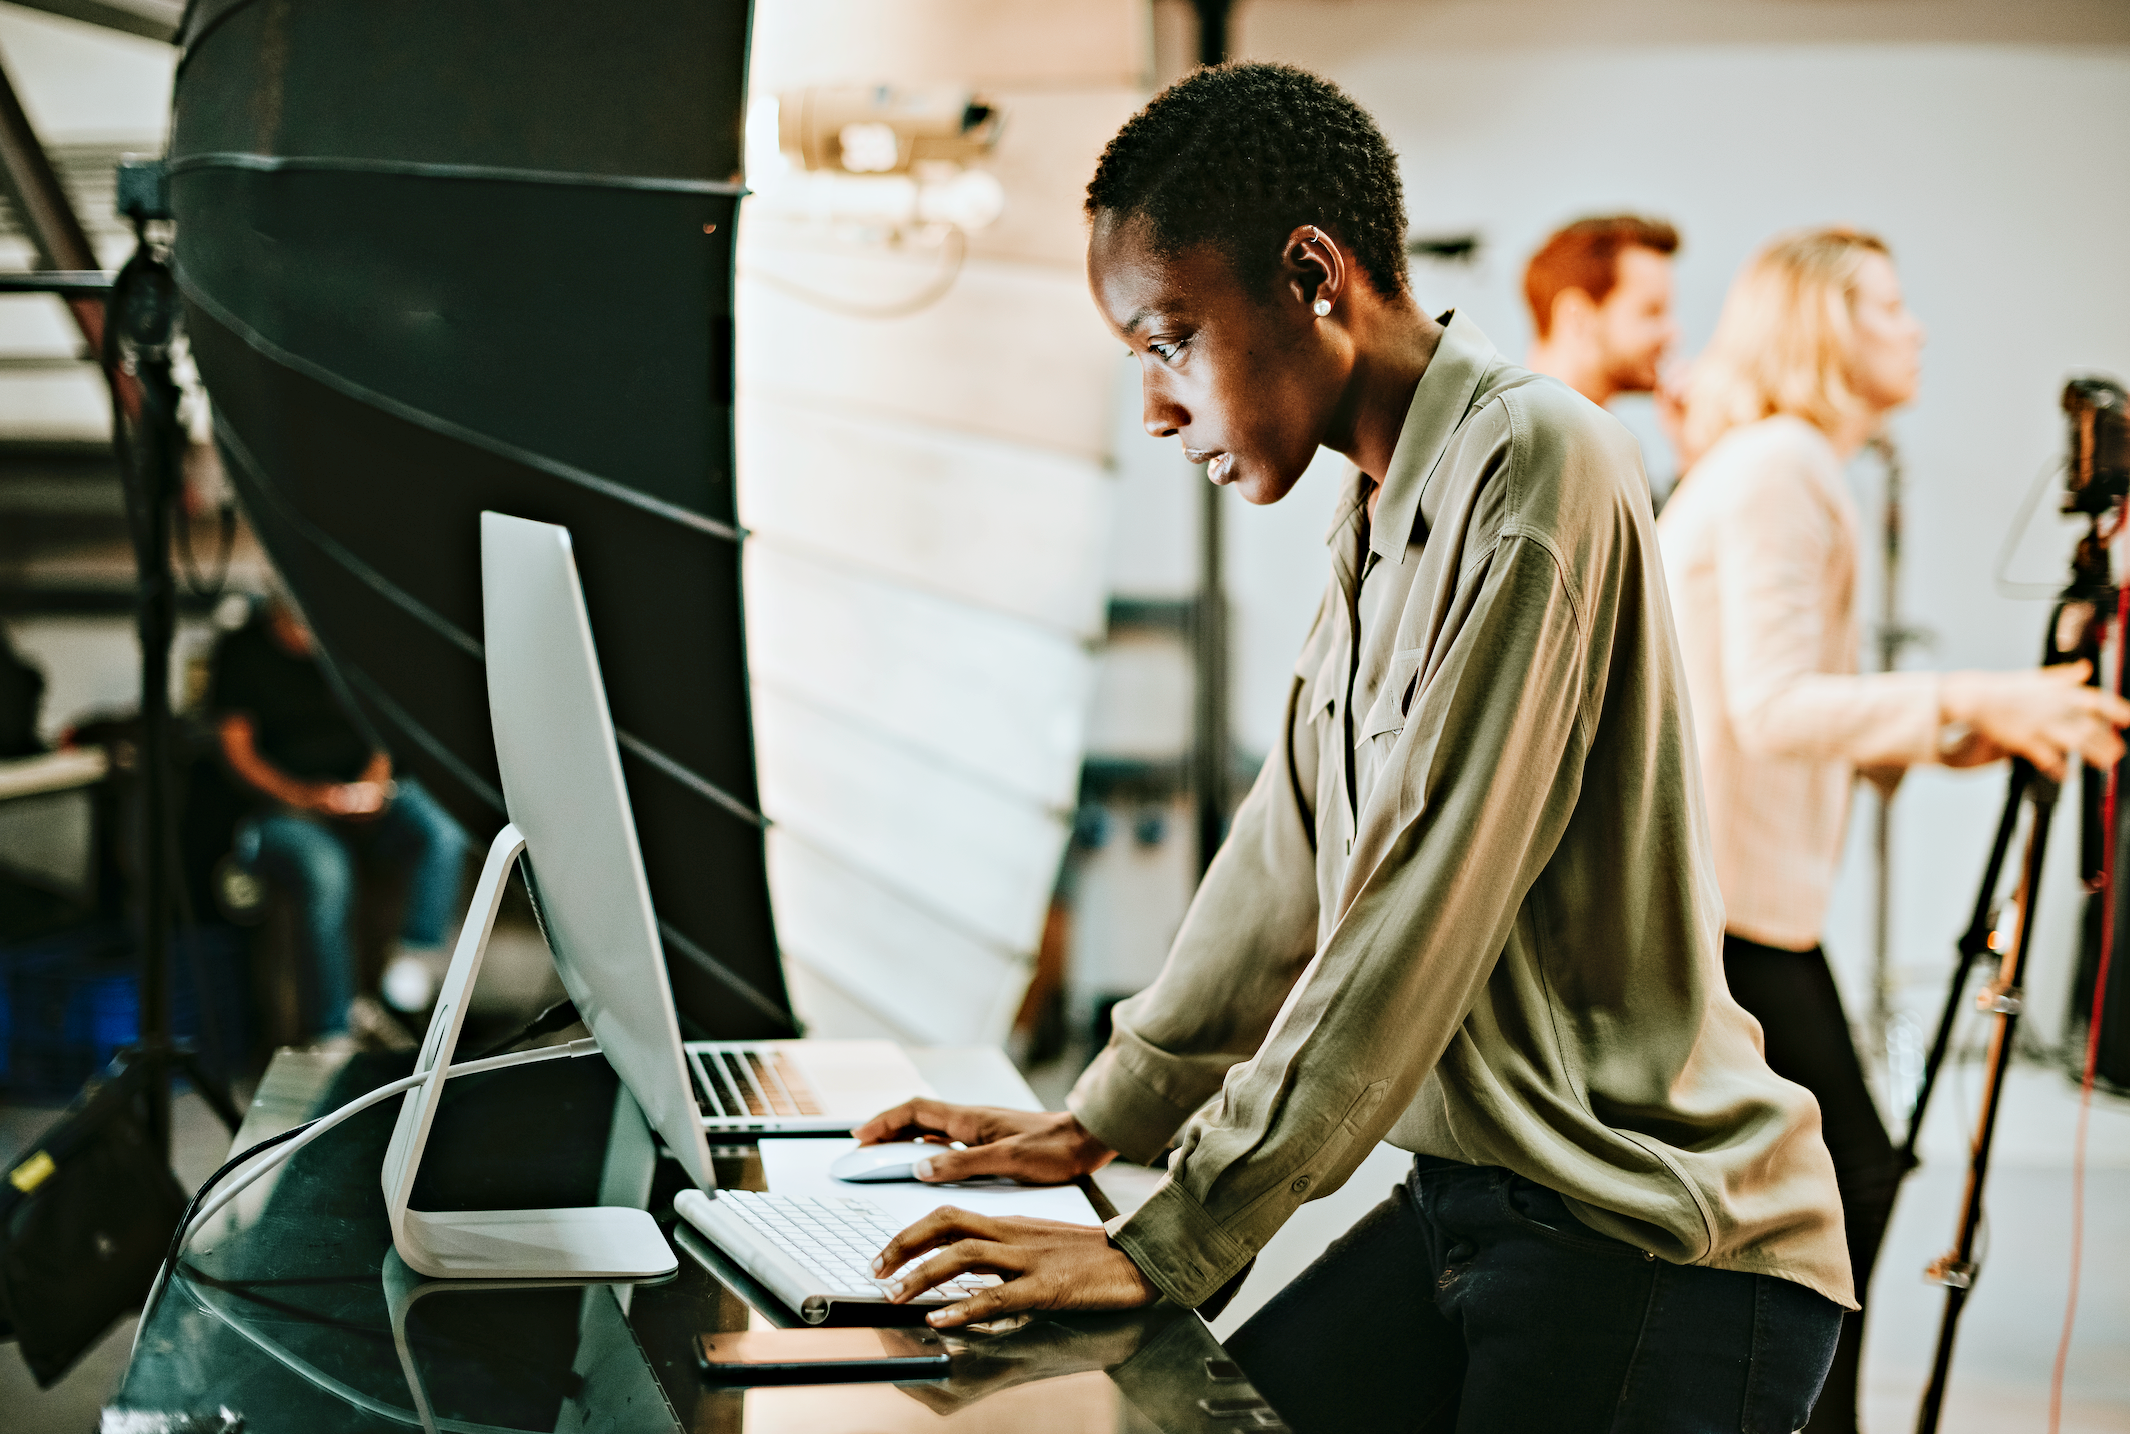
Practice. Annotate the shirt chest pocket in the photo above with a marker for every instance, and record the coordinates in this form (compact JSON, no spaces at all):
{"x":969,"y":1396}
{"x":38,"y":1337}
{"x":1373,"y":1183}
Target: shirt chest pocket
{"x":1320,"y":691}
{"x":1395,"y":698}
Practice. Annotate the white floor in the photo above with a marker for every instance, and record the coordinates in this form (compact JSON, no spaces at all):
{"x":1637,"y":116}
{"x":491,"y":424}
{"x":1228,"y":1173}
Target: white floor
{"x":2009,"y":1333}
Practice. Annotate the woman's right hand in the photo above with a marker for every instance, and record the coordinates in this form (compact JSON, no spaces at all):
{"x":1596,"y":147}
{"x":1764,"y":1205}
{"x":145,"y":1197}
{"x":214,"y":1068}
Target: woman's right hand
{"x":2042,"y":716}
{"x":1033,"y":1146}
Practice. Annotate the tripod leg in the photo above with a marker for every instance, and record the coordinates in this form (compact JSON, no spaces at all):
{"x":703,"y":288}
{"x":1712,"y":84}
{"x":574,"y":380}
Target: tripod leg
{"x":1956,"y":1270}
{"x":210,"y":1089}
{"x":1941,"y":1366}
{"x":1972,"y":944}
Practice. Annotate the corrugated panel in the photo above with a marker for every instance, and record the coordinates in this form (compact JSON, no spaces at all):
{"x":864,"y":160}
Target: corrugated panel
{"x":924,"y":978}
{"x":930,"y":499}
{"x":1001,"y":525}
{"x":999,"y":701}
{"x":945,"y":841}
{"x":1013,"y":351}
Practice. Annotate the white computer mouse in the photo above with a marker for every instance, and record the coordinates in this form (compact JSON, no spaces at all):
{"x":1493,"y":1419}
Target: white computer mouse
{"x":892,"y":1161}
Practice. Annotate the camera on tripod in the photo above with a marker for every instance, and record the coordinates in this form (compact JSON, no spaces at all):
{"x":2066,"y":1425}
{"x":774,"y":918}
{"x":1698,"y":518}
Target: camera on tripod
{"x":2100,"y":445}
{"x":2097,"y":482}
{"x":2096,"y":479}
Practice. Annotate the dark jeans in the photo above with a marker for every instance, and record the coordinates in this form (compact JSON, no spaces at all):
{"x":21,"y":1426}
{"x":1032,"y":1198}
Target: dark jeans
{"x":1793,"y":995}
{"x":312,"y":856}
{"x":1471,"y":1300}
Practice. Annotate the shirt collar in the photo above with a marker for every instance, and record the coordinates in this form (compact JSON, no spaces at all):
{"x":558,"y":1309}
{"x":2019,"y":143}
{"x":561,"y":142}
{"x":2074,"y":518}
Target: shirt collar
{"x":1440,"y":403}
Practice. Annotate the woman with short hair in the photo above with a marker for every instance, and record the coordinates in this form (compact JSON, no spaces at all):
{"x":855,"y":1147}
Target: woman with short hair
{"x":1814,"y":348}
{"x":1468,"y":905}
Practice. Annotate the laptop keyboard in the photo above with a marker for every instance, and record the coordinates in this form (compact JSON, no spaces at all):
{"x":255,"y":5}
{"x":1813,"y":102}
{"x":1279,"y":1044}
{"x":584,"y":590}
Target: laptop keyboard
{"x":834,"y":1240}
{"x":736,"y":1083}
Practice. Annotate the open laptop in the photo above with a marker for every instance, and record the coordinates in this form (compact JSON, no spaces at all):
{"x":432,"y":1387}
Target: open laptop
{"x":798,"y":1087}
{"x":572,"y":826}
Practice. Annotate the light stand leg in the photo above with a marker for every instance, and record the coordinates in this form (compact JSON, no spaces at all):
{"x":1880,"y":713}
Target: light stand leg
{"x":157,"y":625}
{"x":146,"y":434}
{"x":1973,"y":943}
{"x":2003,"y":998}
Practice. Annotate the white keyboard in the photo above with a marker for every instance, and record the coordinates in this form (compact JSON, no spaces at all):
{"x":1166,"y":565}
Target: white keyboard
{"x":809,"y":1252}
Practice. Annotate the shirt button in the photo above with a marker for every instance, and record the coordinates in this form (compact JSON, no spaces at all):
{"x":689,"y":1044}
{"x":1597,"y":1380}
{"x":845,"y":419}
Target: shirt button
{"x":1301,"y":1183}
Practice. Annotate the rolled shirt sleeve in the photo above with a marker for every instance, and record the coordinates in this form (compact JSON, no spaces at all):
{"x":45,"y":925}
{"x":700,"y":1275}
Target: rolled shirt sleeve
{"x":1483,"y":778}
{"x":1244,"y":942}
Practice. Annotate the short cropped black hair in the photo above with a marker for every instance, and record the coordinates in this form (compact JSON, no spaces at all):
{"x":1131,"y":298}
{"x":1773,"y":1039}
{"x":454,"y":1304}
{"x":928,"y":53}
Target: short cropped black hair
{"x":1239,"y":155}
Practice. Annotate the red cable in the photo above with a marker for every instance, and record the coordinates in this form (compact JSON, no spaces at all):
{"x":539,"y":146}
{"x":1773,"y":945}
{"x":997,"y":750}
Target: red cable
{"x":2093,"y":1024}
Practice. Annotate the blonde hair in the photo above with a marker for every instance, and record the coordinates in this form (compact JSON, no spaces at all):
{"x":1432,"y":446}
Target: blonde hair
{"x":1786,"y":339}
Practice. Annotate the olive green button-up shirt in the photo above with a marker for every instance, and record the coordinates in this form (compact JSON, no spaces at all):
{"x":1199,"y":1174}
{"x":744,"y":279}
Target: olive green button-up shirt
{"x":1470,"y":905}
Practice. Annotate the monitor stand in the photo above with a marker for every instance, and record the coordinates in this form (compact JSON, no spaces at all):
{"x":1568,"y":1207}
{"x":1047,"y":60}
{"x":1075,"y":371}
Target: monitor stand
{"x":589,"y":1242}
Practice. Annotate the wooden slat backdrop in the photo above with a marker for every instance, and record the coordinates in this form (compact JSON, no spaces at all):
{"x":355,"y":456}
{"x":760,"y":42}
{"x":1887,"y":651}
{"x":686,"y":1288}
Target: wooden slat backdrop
{"x":930,"y":499}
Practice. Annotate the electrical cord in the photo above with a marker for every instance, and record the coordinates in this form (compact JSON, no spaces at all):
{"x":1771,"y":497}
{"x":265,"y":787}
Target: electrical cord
{"x":226,"y":544}
{"x":272,"y":1152}
{"x":2096,"y":1010}
{"x":957,"y":242}
{"x":563,"y":1013}
{"x":2043,"y":481}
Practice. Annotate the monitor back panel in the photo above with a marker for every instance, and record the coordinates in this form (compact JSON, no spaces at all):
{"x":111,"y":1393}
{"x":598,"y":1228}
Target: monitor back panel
{"x":562,"y":782}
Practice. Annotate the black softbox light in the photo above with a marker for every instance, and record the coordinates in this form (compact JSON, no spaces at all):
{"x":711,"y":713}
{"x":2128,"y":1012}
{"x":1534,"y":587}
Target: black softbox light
{"x":439,"y":258}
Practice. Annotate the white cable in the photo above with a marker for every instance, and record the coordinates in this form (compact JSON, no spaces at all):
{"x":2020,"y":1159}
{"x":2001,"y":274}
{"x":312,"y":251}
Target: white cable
{"x":268,"y":1159}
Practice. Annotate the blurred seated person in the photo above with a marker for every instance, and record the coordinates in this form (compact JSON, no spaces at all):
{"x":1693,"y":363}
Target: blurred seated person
{"x":324,"y":794}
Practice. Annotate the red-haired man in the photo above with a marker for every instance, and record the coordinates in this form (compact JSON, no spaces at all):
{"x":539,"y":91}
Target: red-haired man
{"x":1600,"y":296}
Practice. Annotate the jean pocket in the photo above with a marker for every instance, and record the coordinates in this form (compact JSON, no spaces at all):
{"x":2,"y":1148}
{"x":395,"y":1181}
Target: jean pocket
{"x":1794,"y":1332}
{"x":1539,"y":1211}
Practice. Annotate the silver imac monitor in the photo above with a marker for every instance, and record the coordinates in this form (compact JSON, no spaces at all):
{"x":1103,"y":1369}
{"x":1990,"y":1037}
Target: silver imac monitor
{"x":570,"y":818}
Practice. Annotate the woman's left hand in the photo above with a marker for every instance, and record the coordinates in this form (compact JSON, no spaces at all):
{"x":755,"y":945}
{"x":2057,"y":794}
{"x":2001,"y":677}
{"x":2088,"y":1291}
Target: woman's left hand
{"x":1044,"y":1265}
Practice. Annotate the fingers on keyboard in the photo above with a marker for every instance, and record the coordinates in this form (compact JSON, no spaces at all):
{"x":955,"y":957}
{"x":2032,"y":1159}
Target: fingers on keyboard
{"x":835,"y":1240}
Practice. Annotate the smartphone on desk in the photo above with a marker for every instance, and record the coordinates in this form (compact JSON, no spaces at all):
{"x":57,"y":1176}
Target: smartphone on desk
{"x":820,"y":1356}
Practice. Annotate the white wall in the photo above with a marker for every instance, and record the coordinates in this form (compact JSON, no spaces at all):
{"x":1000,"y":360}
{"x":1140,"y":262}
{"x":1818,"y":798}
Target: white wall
{"x":1983,"y":145}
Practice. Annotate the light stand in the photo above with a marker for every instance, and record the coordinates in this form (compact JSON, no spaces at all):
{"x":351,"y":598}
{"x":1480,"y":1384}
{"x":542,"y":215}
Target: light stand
{"x":1893,"y":1034}
{"x":1212,"y":744}
{"x":2004,"y":999}
{"x":2078,"y":628}
{"x":140,"y":324}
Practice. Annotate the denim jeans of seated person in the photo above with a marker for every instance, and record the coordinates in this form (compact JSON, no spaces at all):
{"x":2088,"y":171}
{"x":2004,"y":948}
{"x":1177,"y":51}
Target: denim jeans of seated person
{"x":315,"y":857}
{"x":1473,"y":1301}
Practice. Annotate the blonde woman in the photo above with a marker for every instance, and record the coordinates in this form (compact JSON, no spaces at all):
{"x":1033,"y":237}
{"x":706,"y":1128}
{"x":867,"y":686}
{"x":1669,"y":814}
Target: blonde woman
{"x":1814,"y":348}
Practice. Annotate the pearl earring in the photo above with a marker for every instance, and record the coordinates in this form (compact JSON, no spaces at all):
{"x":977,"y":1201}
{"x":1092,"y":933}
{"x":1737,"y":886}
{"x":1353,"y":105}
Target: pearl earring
{"x":1323,"y":307}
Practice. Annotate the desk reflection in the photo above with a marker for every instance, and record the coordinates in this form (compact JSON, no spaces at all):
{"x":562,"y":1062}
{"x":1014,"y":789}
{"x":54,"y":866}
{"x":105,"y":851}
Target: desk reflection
{"x":300,"y":1317}
{"x":501,"y":1328}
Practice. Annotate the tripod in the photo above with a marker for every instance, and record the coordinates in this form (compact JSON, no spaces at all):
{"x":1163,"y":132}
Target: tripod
{"x":140,"y":323}
{"x":2078,"y":628}
{"x":2003,"y":1000}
